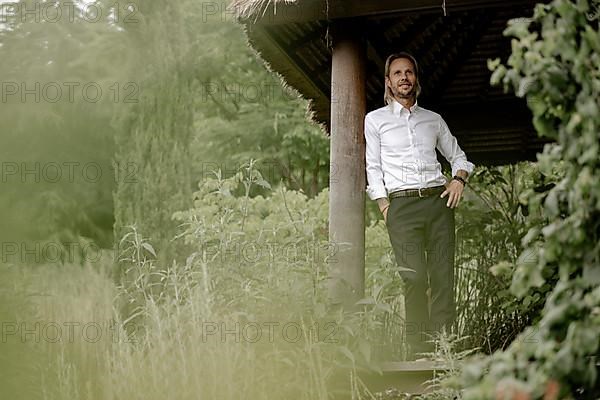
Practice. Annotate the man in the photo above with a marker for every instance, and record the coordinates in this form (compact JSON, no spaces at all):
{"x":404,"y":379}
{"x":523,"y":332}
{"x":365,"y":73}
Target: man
{"x":416,"y":201}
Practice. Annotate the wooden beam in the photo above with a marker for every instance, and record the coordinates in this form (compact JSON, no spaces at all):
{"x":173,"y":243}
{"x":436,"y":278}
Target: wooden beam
{"x":317,"y":33}
{"x":347,"y":158}
{"x":314,"y":10}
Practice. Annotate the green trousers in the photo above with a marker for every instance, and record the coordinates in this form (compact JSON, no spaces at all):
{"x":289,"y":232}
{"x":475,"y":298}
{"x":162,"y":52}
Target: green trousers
{"x":421,"y":231}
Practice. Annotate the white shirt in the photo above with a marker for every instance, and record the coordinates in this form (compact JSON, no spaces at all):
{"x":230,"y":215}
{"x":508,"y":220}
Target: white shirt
{"x":400,"y":149}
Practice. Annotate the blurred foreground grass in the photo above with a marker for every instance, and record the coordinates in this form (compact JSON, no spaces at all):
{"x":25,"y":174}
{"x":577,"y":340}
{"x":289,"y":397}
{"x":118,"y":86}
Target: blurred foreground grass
{"x":62,"y":339}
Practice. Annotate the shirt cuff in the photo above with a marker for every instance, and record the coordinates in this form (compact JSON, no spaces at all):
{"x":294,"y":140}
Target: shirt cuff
{"x":466,"y":165}
{"x":376,"y":193}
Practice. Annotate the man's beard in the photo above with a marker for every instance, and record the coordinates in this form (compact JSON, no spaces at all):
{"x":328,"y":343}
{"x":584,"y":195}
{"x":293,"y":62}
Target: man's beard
{"x":404,"y":95}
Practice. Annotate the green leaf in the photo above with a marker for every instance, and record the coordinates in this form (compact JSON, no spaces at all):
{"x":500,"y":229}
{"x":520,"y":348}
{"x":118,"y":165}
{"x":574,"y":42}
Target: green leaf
{"x":263,"y":183}
{"x":149,"y":248}
{"x":366,"y":301}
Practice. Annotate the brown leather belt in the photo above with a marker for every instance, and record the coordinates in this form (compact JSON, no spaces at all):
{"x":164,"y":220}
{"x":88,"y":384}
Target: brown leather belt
{"x":422,"y":192}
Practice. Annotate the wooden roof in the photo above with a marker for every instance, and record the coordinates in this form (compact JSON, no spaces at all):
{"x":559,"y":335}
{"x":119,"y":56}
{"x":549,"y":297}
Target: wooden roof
{"x":452,"y":46}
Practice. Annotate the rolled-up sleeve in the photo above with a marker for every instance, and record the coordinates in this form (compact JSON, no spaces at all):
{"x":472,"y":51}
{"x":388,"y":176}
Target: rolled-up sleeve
{"x":448,"y":146}
{"x":375,"y":185}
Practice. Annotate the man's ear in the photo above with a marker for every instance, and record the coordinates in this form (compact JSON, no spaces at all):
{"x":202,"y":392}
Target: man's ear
{"x":387,"y":82}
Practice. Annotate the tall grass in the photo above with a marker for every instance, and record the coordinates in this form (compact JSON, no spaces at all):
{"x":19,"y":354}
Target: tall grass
{"x":173,"y":356}
{"x":58,"y":331}
{"x":191,"y":330}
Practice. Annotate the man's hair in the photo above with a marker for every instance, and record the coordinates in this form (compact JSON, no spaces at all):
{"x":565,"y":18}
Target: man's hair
{"x":388,"y":96}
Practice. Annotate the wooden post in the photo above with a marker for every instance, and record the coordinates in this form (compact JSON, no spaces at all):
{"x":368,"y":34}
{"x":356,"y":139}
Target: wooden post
{"x":347,"y":164}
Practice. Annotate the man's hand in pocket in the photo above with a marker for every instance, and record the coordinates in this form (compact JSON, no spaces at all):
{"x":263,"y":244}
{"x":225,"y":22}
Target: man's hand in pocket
{"x":384,"y":205}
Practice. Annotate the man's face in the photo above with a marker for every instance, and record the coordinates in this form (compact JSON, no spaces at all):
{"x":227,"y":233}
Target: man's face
{"x":402,"y":79}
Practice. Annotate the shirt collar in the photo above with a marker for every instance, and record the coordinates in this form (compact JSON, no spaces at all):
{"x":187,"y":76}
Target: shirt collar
{"x":397,"y":108}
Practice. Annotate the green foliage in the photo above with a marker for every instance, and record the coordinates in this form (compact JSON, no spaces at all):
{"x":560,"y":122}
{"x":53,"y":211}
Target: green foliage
{"x":187,"y":94}
{"x":204,"y":108}
{"x":154,"y":134}
{"x":46,"y":145}
{"x":491,"y":221}
{"x":244,"y":110}
{"x":275,"y":244}
{"x":554,"y":65}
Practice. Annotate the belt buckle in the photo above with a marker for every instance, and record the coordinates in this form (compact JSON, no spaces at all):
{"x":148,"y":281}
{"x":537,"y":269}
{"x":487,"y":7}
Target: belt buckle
{"x":420,"y":195}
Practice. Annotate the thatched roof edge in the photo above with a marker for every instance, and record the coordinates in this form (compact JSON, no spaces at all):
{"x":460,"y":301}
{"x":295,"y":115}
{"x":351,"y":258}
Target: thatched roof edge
{"x":246,"y":9}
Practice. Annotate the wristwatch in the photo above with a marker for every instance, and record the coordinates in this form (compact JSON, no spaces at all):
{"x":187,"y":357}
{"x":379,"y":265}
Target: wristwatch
{"x":458,"y":178}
